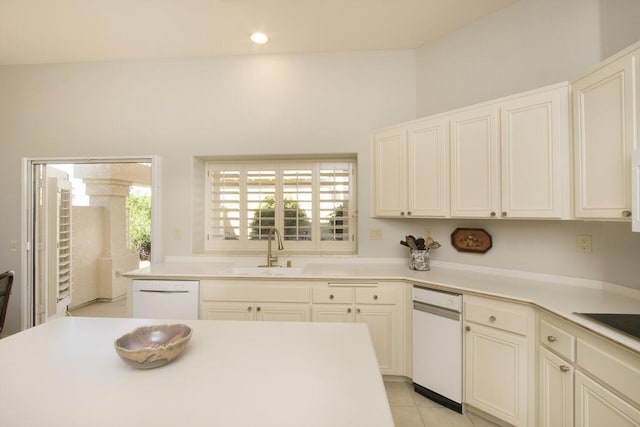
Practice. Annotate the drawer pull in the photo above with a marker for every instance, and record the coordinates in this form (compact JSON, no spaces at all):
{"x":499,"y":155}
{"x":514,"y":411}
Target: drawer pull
{"x":258,"y":308}
{"x":467,"y":328}
{"x":375,"y":297}
{"x":551,"y":338}
{"x":626,"y":214}
{"x":349,"y":310}
{"x":358,"y":310}
{"x":249,"y":308}
{"x":401,"y":213}
{"x":503,"y":214}
{"x":492,"y":319}
{"x":492,"y":214}
{"x":331,"y":296}
{"x":564,"y":368}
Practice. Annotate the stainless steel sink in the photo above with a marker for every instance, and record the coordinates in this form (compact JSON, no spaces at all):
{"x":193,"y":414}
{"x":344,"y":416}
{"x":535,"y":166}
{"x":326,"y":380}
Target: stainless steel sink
{"x":267,"y":271}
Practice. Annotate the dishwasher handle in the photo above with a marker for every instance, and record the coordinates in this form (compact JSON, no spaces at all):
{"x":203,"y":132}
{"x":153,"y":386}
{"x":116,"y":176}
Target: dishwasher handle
{"x":438,"y":311}
{"x":161,"y":291}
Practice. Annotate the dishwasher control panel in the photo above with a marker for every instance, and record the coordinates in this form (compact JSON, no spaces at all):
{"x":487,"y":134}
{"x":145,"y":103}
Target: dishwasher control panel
{"x":438,"y":298}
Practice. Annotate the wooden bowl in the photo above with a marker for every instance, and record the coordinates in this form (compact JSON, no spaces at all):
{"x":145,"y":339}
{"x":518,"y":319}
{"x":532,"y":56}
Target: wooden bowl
{"x":152,"y":346}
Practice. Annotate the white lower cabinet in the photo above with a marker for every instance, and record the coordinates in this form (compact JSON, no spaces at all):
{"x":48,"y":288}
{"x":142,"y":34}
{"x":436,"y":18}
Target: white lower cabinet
{"x":597,"y":406}
{"x":584,"y":380}
{"x":556,"y":390}
{"x":244,"y":300}
{"x":499,"y":376}
{"x":379,"y":305}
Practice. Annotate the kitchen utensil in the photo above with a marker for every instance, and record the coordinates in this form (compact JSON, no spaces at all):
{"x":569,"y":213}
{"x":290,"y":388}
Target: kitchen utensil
{"x":411,"y":241}
{"x":420,"y":243}
{"x":403,"y":243}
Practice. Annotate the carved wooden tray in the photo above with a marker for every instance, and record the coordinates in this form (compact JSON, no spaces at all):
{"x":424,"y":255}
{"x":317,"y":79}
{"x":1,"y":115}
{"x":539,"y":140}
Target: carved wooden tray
{"x":471,"y":240}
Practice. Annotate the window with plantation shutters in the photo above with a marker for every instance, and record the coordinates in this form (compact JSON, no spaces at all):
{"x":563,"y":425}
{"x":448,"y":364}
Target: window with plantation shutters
{"x":311,"y":203}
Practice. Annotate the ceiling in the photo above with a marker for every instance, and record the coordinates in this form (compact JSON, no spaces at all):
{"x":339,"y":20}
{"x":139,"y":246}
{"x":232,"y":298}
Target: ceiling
{"x":47,"y":31}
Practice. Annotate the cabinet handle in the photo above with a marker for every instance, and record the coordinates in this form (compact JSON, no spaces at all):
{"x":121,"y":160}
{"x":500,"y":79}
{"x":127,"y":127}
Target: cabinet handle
{"x":258,"y":308}
{"x":551,"y":338}
{"x":626,"y":214}
{"x":503,"y":214}
{"x":375,"y":297}
{"x":249,"y":308}
{"x":564,"y":368}
{"x":358,"y":310}
{"x":401,"y":213}
{"x":331,"y":296}
{"x":408,"y":213}
{"x":492,"y":214}
{"x":492,"y":319}
{"x":467,"y":328}
{"x":349,"y":310}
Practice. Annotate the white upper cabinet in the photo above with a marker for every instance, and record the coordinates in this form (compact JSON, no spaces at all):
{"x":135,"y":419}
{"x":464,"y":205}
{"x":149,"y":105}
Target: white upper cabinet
{"x":535,"y":155}
{"x":389,"y":157}
{"x":428,"y":168}
{"x":411,"y":170}
{"x":475,"y":176}
{"x":511,"y":158}
{"x":605,"y":120}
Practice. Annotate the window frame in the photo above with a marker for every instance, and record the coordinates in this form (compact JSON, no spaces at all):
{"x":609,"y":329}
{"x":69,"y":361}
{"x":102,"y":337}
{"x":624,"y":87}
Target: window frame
{"x":315,"y":245}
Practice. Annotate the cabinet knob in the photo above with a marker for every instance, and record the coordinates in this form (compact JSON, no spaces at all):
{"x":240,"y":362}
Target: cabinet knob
{"x":492,"y":319}
{"x":408,"y":213}
{"x":503,"y":214}
{"x":401,"y":213}
{"x":551,"y":338}
{"x":626,"y":214}
{"x":467,"y":328}
{"x":564,"y":368}
{"x":349,"y":310}
{"x":258,"y":308}
{"x":492,"y":214}
{"x":249,"y":308}
{"x":375,"y":297}
{"x":331,"y":296}
{"x":358,"y":310}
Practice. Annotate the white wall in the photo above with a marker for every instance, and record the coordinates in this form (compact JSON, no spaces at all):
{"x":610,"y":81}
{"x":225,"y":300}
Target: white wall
{"x":527,"y":45}
{"x":316,"y":103}
{"x":620,"y":24}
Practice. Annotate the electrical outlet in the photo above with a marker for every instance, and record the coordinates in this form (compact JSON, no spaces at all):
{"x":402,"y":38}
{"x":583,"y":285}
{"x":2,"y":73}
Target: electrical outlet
{"x":583,"y":244}
{"x":177,"y":233}
{"x":375,"y":234}
{"x":13,"y":246}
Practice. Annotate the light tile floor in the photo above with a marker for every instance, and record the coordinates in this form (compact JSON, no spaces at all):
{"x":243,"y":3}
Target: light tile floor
{"x":410,"y":409}
{"x":116,"y":308}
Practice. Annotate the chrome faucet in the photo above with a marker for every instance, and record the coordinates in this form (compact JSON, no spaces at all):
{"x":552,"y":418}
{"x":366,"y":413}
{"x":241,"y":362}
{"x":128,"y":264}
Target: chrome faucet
{"x":272,"y":259}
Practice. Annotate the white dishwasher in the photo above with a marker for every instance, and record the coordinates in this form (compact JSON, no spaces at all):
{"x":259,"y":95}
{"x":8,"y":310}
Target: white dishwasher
{"x":437,"y":346}
{"x":165,"y":299}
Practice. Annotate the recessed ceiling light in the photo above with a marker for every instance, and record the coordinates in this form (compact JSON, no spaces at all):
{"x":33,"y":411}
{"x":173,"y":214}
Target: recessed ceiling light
{"x":259,"y":38}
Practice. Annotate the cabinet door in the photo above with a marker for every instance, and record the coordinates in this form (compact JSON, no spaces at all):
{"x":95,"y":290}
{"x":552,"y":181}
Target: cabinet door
{"x":604,"y":118}
{"x":596,"y":406}
{"x":496,"y":373}
{"x":534,"y":155}
{"x":390,"y":172}
{"x":556,"y":390}
{"x":227,"y":311}
{"x":381,"y":321}
{"x":332,"y":313}
{"x":474,"y":163}
{"x":283,"y":312}
{"x":428,"y":169}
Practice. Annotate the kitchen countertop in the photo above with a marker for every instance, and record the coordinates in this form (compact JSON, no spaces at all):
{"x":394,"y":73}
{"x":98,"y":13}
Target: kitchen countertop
{"x":559,"y":295}
{"x":66,"y":372}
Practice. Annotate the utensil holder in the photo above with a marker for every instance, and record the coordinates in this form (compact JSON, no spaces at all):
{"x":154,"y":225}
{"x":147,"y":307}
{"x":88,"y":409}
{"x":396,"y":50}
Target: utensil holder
{"x":419,"y":260}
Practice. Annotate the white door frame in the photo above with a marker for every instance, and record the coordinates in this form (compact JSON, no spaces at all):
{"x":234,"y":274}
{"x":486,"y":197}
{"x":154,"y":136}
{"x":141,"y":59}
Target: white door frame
{"x":27,"y":209}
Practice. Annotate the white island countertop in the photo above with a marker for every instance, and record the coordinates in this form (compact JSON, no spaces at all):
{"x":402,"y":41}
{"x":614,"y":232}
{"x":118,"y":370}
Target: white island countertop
{"x":563,"y":296}
{"x":67,"y":373}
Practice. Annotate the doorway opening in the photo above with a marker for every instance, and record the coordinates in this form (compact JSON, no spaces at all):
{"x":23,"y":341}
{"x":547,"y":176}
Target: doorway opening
{"x":89,"y":223}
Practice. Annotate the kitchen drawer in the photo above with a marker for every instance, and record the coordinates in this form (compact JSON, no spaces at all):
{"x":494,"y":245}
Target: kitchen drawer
{"x":558,"y":340}
{"x":333,"y":295}
{"x":255,"y":293}
{"x":614,"y":366}
{"x":376,"y":296}
{"x":495,"y":314}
